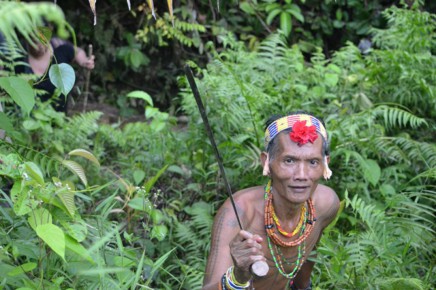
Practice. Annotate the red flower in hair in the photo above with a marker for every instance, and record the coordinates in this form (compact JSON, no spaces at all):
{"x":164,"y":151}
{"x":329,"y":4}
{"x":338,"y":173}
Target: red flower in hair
{"x":301,"y":134}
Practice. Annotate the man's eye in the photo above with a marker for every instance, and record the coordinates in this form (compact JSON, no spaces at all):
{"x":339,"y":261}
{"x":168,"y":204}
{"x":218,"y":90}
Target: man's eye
{"x":314,"y":162}
{"x":289,"y":160}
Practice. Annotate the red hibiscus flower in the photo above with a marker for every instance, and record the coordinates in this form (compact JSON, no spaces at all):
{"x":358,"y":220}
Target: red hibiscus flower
{"x":301,"y":134}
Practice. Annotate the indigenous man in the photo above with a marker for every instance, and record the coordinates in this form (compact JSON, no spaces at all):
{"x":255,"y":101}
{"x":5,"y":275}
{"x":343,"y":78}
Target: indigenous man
{"x":283,"y":220}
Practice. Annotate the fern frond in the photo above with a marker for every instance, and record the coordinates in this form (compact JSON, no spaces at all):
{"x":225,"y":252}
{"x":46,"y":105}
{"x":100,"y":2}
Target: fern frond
{"x":48,"y":164}
{"x":412,"y":30}
{"x":400,"y":283}
{"x":424,"y":152}
{"x":372,"y":217}
{"x":78,"y":129}
{"x":25,"y":17}
{"x":193,"y":237}
{"x":398,"y":117}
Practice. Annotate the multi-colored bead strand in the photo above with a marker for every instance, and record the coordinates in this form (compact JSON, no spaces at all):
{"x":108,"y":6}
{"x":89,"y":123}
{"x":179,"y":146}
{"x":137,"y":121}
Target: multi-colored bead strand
{"x":297,"y":228}
{"x":305,"y":227}
{"x":278,"y":260}
{"x":270,"y":224}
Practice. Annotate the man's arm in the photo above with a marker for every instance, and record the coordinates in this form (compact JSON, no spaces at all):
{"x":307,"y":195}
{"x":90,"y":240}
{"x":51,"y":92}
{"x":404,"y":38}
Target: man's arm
{"x":231,"y":246}
{"x":80,"y":56}
{"x":225,"y":227}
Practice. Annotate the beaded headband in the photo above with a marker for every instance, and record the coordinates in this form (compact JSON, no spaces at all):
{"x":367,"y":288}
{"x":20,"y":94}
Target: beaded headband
{"x":306,"y":124}
{"x":288,"y":122}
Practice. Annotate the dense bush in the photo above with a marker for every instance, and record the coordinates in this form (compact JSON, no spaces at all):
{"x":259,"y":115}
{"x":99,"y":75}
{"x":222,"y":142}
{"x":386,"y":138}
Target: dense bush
{"x":87,"y":205}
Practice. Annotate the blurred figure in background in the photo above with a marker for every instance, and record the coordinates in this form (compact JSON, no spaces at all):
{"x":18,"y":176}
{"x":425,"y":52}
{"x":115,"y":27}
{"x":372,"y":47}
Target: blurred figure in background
{"x":41,"y":56}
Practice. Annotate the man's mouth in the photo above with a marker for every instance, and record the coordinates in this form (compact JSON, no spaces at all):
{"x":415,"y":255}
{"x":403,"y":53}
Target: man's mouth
{"x":299,"y":188}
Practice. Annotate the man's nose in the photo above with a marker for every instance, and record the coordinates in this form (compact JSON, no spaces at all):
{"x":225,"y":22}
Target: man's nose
{"x":301,"y":171}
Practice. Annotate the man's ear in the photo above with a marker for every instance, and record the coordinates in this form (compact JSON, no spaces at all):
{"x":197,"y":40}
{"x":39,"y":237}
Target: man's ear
{"x":263,"y":157}
{"x":328,"y":159}
{"x":265,"y":163}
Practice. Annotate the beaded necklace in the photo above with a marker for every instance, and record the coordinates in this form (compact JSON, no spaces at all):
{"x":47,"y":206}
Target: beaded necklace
{"x":278,"y":261}
{"x":309,"y":222}
{"x":297,"y":228}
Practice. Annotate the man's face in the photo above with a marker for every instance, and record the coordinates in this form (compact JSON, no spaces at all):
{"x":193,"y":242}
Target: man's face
{"x":295,"y":170}
{"x":39,"y":50}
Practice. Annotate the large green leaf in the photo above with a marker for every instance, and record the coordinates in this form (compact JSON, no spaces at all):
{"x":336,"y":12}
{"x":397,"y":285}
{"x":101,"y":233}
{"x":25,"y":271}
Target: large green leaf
{"x":371,"y":170}
{"x":159,"y":232}
{"x":77,"y":230}
{"x":67,"y":199}
{"x":54,"y":237}
{"x":39,"y":217}
{"x":138,"y":176}
{"x":20,"y":91}
{"x":72,"y":245}
{"x":62,"y":76}
{"x":76,"y":169}
{"x":5,"y":123}
{"x":141,"y":95}
{"x":85,"y":154}
{"x":141,"y":203}
{"x":33,"y":170}
{"x":331,"y":79}
{"x":296,"y":12}
{"x":272,"y":15}
{"x":23,"y":268}
{"x":285,"y":23}
{"x":23,"y":203}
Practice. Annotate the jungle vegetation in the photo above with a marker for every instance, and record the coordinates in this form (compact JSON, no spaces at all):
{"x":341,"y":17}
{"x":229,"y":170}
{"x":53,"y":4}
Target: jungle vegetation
{"x":86,"y":204}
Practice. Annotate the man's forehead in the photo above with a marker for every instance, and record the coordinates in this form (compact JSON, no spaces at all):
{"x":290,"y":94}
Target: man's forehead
{"x":287,"y":146}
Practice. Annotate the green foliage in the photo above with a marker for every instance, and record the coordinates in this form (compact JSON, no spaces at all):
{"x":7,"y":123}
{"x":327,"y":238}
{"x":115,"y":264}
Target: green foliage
{"x":404,"y":54}
{"x":132,"y":55}
{"x":193,"y":242}
{"x":286,"y":12}
{"x":133,"y":206}
{"x":20,"y":91}
{"x":385,"y":236}
{"x":379,"y":141}
{"x":406,"y":31}
{"x":25,"y":17}
{"x":62,"y":76}
{"x":165,"y":30}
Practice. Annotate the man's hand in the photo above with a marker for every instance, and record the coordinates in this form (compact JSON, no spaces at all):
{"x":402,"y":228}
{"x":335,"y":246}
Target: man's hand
{"x":88,"y":63}
{"x":245,"y":249}
{"x":83,"y":60}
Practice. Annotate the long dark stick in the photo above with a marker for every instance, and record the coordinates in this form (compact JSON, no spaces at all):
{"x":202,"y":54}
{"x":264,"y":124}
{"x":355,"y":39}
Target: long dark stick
{"x":88,"y":76}
{"x":211,"y":138}
{"x":259,"y":268}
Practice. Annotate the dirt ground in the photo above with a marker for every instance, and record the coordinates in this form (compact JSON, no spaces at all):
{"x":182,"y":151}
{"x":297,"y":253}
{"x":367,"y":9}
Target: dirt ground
{"x":110,"y":115}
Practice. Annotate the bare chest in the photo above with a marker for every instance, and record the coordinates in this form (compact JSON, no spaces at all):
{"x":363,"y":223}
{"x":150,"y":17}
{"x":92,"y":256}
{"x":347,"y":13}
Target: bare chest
{"x":40,"y":65}
{"x":284,"y":262}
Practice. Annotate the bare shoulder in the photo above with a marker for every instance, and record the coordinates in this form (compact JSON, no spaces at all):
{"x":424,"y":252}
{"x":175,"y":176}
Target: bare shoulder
{"x":248,"y":202}
{"x":244,"y":201}
{"x":250,"y":194}
{"x":326,"y":203}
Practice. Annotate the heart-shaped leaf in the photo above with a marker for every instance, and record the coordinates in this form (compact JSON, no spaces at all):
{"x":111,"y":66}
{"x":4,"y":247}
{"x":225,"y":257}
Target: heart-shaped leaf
{"x":62,"y":76}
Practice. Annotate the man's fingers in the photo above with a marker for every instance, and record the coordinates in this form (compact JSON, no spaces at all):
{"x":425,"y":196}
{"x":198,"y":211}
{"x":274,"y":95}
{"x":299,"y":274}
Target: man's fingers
{"x":258,"y":238}
{"x":247,"y":235}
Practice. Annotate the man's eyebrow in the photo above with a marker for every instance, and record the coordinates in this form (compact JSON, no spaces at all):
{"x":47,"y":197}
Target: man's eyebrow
{"x":299,"y":157}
